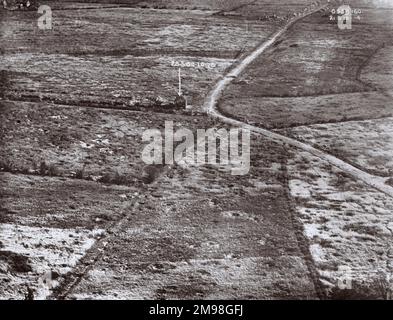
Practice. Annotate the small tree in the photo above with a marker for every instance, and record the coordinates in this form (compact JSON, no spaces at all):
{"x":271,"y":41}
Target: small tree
{"x":180,"y":102}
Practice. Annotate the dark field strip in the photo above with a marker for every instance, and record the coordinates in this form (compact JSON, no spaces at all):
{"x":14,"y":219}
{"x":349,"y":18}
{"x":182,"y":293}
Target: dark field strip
{"x":353,"y":119}
{"x":113,"y":105}
{"x":280,"y":126}
{"x":239,"y":6}
{"x":89,"y":8}
{"x":154,"y":52}
{"x":218,"y":54}
{"x":103,"y":2}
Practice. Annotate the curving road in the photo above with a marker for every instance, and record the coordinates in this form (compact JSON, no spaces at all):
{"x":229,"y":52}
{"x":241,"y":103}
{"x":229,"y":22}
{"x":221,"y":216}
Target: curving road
{"x":210,"y":106}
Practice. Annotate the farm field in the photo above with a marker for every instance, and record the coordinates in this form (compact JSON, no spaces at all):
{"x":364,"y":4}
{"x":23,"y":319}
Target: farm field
{"x":107,"y":145}
{"x":342,"y":106}
{"x":162,"y":236}
{"x":367,"y":144}
{"x":120,"y":56}
{"x":209,"y":240}
{"x":318,"y":74}
{"x":82,"y":216}
{"x":47,"y":225}
{"x":349,"y":227}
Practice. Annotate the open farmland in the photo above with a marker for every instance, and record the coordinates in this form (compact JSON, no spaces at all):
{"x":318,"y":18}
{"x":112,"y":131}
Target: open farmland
{"x":162,"y":235}
{"x":332,"y":91}
{"x":83,"y":216}
{"x":314,"y":74}
{"x":368,"y":144}
{"x":125,"y":52}
{"x":349,"y":227}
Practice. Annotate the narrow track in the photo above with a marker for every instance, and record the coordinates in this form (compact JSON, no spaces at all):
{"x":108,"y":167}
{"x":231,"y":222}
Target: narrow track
{"x":211,"y":102}
{"x":210,"y":105}
{"x":93,"y":255}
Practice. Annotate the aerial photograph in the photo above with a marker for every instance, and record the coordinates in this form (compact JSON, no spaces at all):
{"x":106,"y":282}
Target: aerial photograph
{"x":196,"y":150}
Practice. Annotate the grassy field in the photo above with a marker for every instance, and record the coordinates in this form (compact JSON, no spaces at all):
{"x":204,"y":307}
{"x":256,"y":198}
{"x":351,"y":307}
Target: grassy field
{"x":349,"y":227}
{"x":366,"y":144}
{"x":77,"y":202}
{"x":119,"y":56}
{"x":106,"y":145}
{"x":206,"y":237}
{"x":327,"y":87}
{"x":248,"y":9}
{"x":136,"y":44}
{"x":196,"y":232}
{"x":333,"y":90}
{"x":50,"y":223}
{"x":314,"y":75}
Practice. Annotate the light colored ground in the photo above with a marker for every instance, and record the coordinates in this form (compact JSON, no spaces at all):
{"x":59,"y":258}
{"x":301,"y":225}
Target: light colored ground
{"x":367,"y":144}
{"x":47,"y":225}
{"x":348,"y":224}
{"x":47,"y":249}
{"x":206,"y":239}
{"x":195,"y":233}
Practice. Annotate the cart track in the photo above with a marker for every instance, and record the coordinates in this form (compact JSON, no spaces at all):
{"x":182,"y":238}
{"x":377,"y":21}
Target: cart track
{"x":210,"y":106}
{"x":93,"y":255}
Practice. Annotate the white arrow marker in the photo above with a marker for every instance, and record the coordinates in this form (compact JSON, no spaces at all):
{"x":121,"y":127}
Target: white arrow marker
{"x":180,"y":93}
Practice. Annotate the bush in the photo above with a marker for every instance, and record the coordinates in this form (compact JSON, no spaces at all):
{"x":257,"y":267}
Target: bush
{"x":151,"y":173}
{"x":114,"y":178}
{"x":47,"y":170}
{"x":8,"y":166}
{"x":79,"y":174}
{"x":180,"y":102}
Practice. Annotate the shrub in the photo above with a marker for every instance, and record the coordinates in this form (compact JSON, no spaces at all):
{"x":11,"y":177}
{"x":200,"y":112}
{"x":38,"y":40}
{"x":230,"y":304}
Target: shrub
{"x":47,"y":170}
{"x":114,"y":178}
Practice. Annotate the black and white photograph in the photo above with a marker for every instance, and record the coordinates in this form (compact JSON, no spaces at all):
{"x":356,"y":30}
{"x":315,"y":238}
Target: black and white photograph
{"x":196,"y":150}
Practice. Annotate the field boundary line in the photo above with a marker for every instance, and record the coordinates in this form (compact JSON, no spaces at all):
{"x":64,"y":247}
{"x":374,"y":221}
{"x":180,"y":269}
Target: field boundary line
{"x":92,"y":256}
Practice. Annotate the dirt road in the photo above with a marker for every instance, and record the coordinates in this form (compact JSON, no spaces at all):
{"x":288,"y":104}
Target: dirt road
{"x":211,"y":107}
